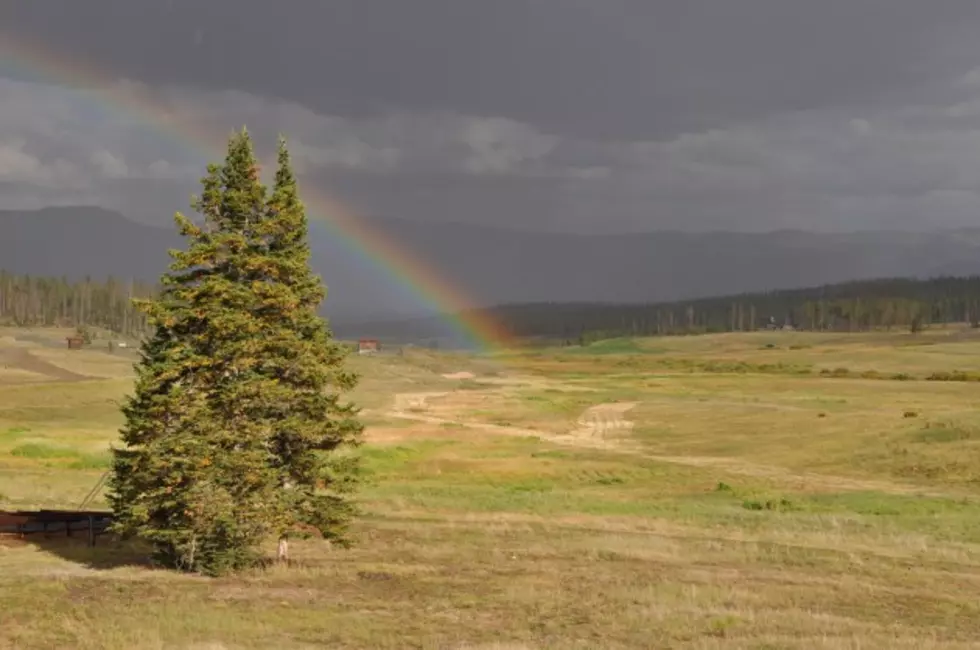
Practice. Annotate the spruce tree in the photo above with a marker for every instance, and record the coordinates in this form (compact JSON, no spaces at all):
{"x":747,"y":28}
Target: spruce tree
{"x":310,"y":424}
{"x":231,"y":413}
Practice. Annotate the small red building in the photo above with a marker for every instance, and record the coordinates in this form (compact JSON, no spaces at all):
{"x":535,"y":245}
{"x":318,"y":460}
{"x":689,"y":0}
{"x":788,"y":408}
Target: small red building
{"x":75,"y":342}
{"x":367,"y":346}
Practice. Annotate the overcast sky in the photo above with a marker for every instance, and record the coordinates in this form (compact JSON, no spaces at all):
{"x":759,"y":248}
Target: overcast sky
{"x":573,"y":115}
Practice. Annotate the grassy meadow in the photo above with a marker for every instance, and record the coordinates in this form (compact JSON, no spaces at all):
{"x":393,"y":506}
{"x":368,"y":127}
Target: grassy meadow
{"x":763,"y":490}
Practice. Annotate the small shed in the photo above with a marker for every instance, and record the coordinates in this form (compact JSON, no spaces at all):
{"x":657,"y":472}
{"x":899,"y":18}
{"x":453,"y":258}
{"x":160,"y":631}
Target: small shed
{"x":368,"y":346}
{"x":75,"y":342}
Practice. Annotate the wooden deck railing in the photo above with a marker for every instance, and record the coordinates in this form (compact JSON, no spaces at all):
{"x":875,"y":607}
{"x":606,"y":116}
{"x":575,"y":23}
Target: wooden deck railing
{"x":52,"y":522}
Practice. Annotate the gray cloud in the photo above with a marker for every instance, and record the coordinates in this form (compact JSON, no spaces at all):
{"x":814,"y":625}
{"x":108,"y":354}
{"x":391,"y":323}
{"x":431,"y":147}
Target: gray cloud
{"x":557,"y":114}
{"x":623,"y":68}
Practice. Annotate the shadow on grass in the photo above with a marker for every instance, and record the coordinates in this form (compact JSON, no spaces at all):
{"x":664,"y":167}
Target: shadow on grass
{"x":111,"y":553}
{"x":108,"y":553}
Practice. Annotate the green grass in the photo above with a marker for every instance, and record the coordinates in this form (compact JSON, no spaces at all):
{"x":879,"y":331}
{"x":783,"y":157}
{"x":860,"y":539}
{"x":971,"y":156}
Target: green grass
{"x":530,"y":477}
{"x":772,"y":492}
{"x":612,"y":346}
{"x":58,"y":456}
{"x":13,"y":433}
{"x":945,"y":432}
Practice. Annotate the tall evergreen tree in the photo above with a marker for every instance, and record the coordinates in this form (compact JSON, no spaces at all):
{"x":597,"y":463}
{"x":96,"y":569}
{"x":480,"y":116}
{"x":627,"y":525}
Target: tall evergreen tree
{"x":308,"y":418}
{"x":225,"y":431}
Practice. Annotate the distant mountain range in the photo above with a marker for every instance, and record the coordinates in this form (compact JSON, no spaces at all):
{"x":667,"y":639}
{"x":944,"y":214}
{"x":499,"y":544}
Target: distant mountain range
{"x":504,"y":266}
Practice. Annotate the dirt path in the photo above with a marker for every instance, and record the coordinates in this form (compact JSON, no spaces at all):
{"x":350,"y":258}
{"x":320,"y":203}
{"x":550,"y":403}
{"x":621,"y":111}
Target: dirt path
{"x":605,"y":426}
{"x":603,"y":419}
{"x":596,"y":428}
{"x":413,"y":406}
{"x":406,"y":401}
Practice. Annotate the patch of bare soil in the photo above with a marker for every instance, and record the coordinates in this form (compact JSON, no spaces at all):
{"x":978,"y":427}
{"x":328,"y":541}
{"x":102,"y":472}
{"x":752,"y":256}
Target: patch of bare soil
{"x":603,"y":419}
{"x":459,"y":375}
{"x":414,"y":406}
{"x":413,"y":401}
{"x":21,"y":359}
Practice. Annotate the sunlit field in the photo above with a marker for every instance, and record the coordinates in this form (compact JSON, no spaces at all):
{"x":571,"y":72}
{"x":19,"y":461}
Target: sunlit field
{"x":764,"y":490}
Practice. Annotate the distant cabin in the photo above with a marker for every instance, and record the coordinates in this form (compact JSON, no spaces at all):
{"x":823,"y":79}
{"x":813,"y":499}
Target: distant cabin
{"x":368,"y":346}
{"x":75,"y":342}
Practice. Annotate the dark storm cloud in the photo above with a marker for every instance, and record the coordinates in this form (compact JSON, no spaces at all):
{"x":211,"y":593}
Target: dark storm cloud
{"x":577,"y":115}
{"x":631,"y":69}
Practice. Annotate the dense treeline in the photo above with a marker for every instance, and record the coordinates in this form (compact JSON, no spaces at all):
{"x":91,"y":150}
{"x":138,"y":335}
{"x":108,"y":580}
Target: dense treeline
{"x":854,"y":306}
{"x":29,"y":301}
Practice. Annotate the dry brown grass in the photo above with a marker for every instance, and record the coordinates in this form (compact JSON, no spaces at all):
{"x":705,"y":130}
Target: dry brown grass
{"x":756,"y":509}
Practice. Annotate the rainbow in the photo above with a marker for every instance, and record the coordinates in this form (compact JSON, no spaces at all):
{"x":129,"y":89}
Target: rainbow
{"x":373,"y":247}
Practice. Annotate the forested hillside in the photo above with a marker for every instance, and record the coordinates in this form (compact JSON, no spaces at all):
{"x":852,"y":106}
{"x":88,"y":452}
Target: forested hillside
{"x":492,"y":265}
{"x":27,"y":301}
{"x":854,"y":306}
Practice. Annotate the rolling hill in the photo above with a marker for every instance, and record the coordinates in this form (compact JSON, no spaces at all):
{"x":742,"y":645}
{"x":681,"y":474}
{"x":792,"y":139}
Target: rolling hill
{"x":504,"y":266}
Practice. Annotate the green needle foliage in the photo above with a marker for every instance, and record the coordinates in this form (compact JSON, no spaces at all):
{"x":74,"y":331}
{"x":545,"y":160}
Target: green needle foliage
{"x":236,"y":432}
